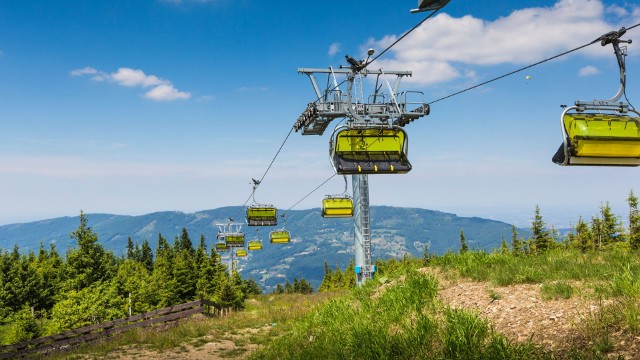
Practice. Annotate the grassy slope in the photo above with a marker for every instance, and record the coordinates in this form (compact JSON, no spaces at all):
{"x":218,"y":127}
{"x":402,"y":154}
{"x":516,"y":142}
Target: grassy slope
{"x":402,"y":318}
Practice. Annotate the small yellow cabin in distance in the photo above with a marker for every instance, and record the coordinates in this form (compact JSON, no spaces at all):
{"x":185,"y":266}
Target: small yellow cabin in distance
{"x":235,"y":240}
{"x":222,"y":246}
{"x":337,"y":207}
{"x":259,"y":215}
{"x":279,"y":237}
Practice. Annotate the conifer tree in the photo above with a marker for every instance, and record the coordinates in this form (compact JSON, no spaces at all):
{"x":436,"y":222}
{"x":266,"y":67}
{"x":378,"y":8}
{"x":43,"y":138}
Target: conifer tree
{"x":349,"y":277}
{"x":516,"y":242}
{"x":634,"y":222}
{"x":89,"y":262}
{"x":162,"y":280}
{"x":131,"y":251}
{"x":49,"y":268}
{"x":583,"y":238}
{"x":304,"y":287}
{"x":22,"y":326}
{"x":201,"y":253}
{"x":146,"y":256}
{"x":184,"y":243}
{"x":597,"y":232}
{"x":288,"y":288}
{"x":541,"y":239}
{"x":132,"y":281}
{"x":504,"y":247}
{"x":326,"y":279}
{"x":251,"y":287}
{"x":463,"y":244}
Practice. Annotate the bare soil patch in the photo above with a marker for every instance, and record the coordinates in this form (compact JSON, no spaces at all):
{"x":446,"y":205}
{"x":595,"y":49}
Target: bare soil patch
{"x":237,"y":346}
{"x":520,"y":313}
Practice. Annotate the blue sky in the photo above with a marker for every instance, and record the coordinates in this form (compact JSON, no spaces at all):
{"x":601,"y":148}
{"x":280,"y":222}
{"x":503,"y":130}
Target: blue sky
{"x":134,"y":107}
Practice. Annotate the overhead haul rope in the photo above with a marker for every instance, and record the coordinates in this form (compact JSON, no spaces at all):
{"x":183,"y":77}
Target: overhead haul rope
{"x":311,"y":192}
{"x":364,"y":66}
{"x":258,"y":182}
{"x":461,"y":91}
{"x":526,"y":67}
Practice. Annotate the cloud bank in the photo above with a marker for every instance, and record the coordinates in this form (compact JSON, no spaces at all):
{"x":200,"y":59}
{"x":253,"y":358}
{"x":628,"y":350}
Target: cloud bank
{"x":161,"y":89}
{"x":445,"y":47}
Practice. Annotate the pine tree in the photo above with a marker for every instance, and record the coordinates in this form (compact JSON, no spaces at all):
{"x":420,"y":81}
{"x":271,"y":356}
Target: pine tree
{"x":90,"y":262}
{"x":146,"y":256}
{"x":597,"y":232}
{"x":611,"y":227}
{"x":279,"y":289}
{"x":132,"y":279}
{"x":162,"y":283}
{"x":304,"y":287}
{"x":288,"y":288}
{"x":504,"y":247}
{"x":201,"y":254}
{"x":349,"y":277}
{"x":251,"y":287}
{"x":516,"y":242}
{"x":541,"y":239}
{"x":131,"y":251}
{"x":326,"y":279}
{"x":463,"y":244}
{"x":184,"y":243}
{"x":185,"y":276}
{"x":48,"y":267}
{"x":634,"y":222}
{"x":583,"y":239}
{"x":210,"y":276}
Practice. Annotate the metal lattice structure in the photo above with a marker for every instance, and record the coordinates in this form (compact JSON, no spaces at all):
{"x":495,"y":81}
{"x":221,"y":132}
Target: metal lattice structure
{"x":230,"y":230}
{"x":382,"y":110}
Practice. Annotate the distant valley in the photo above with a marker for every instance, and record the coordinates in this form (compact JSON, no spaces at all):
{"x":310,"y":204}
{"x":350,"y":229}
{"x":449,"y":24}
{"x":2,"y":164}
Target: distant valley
{"x":395,"y":232}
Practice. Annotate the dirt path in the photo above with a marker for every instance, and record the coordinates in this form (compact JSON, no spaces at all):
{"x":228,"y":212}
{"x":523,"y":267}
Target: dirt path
{"x":237,"y":346}
{"x":519,"y":313}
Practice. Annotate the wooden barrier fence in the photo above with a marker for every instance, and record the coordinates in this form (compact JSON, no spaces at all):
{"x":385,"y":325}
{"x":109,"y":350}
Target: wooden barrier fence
{"x":89,"y":333}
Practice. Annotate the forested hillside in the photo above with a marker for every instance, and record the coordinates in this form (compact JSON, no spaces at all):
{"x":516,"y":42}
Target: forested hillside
{"x":395,"y":232}
{"x":45,"y":292}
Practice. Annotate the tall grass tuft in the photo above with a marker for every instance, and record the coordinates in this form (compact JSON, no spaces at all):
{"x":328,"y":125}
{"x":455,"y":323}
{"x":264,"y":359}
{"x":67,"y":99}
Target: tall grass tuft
{"x":556,"y":290}
{"x":399,"y":321}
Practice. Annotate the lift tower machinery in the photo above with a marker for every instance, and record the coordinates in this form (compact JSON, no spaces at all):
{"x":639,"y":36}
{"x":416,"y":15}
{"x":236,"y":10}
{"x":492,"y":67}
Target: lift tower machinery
{"x":230,"y":236}
{"x":372,"y":139}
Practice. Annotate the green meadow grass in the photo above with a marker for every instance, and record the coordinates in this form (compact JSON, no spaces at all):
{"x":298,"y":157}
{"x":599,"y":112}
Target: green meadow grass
{"x":398,"y":314}
{"x":403,"y":321}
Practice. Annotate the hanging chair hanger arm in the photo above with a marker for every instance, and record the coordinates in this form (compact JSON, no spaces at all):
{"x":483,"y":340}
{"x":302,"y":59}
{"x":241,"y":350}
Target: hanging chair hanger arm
{"x":612,"y":38}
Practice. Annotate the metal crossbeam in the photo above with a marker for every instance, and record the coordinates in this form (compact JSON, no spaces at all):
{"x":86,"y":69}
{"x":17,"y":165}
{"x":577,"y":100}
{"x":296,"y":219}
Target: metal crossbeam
{"x":391,"y":107}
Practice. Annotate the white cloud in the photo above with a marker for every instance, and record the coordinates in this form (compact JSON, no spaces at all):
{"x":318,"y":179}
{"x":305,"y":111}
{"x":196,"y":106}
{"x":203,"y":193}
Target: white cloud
{"x":132,"y":77}
{"x":166,"y":92}
{"x":334,"y":48}
{"x":444,"y":46}
{"x":617,"y":10}
{"x":84,"y":71}
{"x":588,"y":70}
{"x":162,"y":90}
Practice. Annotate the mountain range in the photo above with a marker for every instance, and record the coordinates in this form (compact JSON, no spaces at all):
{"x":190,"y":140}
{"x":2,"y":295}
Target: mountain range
{"x":395,"y":231}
